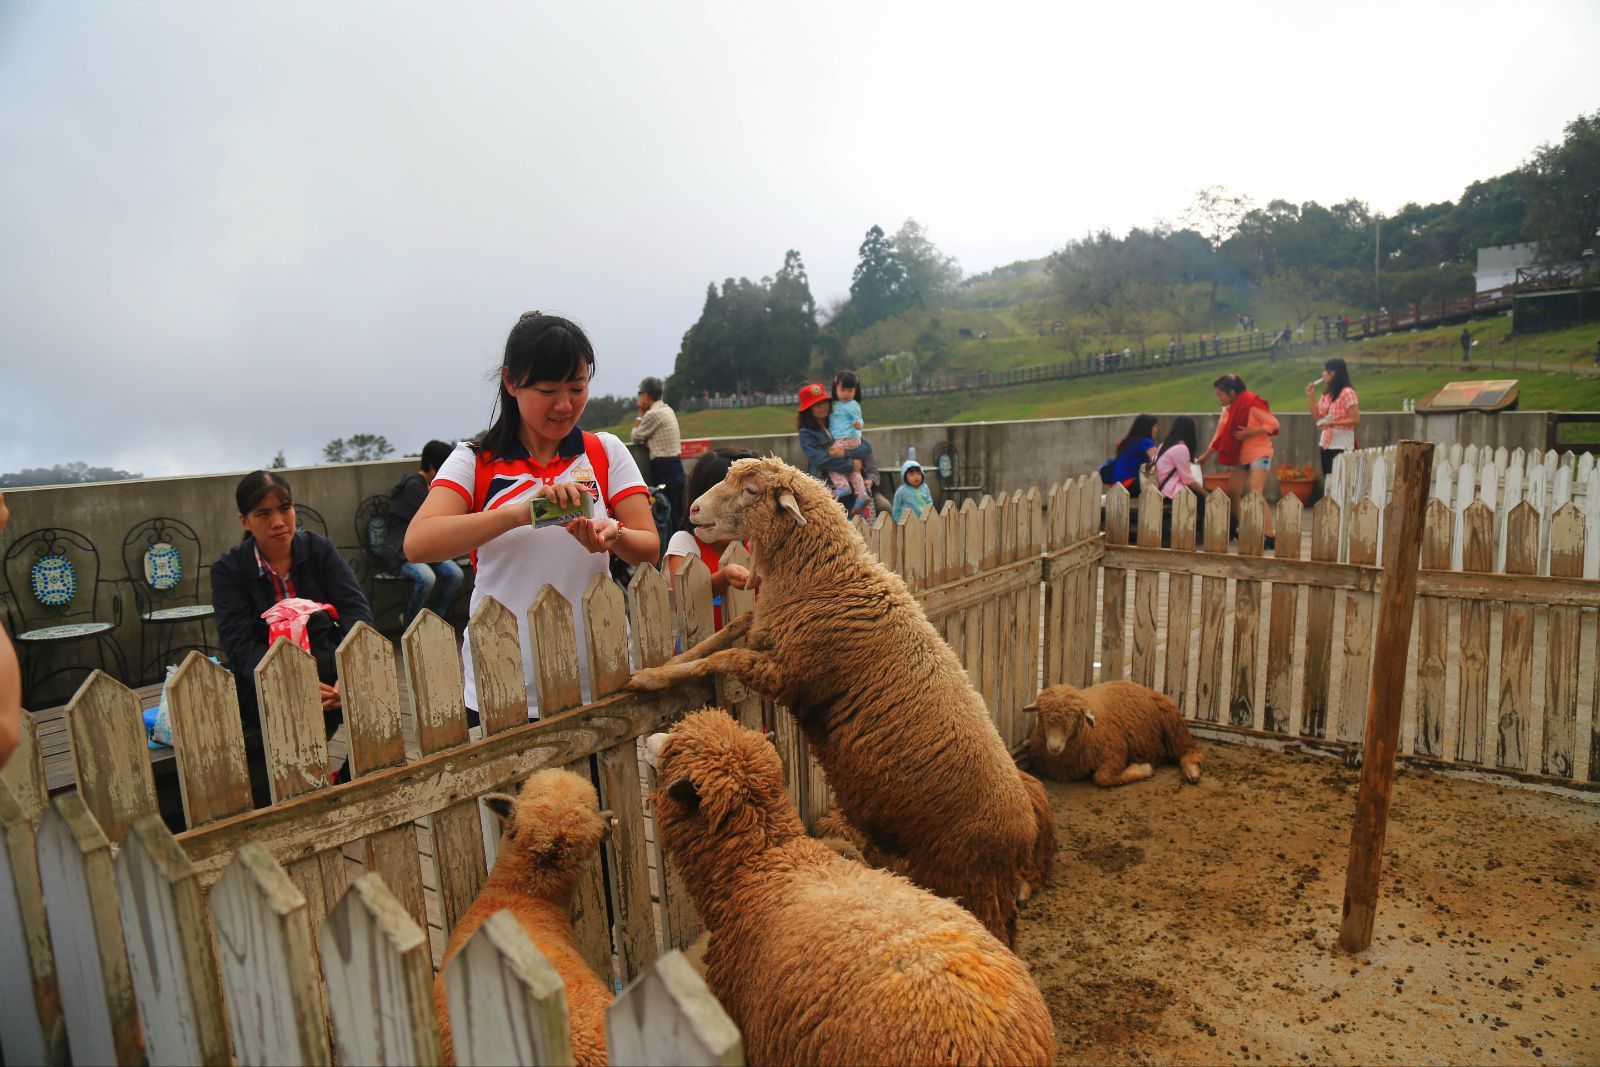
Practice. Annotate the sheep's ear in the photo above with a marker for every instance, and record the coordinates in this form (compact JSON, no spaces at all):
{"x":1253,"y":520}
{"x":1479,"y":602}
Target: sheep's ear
{"x":683,"y":791}
{"x":1088,"y":717}
{"x":501,"y":805}
{"x":1032,"y":709}
{"x":787,"y":502}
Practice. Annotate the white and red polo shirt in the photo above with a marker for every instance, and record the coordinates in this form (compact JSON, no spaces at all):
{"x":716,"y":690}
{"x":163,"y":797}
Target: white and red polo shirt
{"x":516,"y":565}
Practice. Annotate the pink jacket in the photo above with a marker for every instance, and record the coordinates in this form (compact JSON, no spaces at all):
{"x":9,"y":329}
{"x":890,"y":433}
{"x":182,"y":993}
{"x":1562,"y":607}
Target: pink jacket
{"x":1173,"y":470}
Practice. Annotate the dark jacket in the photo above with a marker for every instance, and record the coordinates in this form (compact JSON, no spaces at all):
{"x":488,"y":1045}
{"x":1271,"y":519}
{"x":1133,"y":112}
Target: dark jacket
{"x":815,"y":444}
{"x":240,"y":593}
{"x":404,"y":500}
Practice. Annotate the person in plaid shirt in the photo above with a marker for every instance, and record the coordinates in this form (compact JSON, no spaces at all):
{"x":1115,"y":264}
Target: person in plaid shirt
{"x":1337,"y":411}
{"x":656,"y":429}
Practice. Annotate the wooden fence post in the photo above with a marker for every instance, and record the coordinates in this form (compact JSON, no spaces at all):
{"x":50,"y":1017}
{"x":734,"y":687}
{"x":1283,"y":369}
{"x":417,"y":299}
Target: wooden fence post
{"x":32,"y":1029}
{"x":86,"y":933}
{"x":508,"y":1005}
{"x":167,"y":934}
{"x":1385,"y":699}
{"x":379,"y":973}
{"x":669,"y":1017}
{"x":269,"y":968}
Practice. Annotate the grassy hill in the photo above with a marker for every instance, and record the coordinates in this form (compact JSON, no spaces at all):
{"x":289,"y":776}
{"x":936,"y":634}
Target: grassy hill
{"x":1386,"y":371}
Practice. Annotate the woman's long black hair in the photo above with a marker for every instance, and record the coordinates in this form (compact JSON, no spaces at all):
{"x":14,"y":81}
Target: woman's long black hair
{"x":257,"y":486}
{"x":1340,"y":380}
{"x":1142,"y":425}
{"x":540,"y":348}
{"x":1180,"y":432}
{"x":710,"y":469}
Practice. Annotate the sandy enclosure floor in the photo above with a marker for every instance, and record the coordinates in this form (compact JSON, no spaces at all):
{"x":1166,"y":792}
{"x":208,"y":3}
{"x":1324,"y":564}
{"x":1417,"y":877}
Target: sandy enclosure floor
{"x":1199,"y":924}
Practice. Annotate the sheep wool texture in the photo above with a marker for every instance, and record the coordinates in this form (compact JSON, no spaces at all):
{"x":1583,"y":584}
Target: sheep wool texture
{"x":554,"y":829}
{"x":907,"y":744}
{"x":817,"y":958}
{"x":1134,"y":727}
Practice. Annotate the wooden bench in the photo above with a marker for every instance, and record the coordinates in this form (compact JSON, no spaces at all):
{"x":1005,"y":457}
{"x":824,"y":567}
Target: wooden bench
{"x":55,"y":743}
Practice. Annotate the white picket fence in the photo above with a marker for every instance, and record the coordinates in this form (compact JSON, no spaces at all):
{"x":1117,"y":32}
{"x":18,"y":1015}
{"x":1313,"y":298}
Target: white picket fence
{"x":1501,"y":479}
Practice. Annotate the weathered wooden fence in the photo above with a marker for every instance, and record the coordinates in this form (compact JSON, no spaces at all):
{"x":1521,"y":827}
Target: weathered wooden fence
{"x":245,"y":932}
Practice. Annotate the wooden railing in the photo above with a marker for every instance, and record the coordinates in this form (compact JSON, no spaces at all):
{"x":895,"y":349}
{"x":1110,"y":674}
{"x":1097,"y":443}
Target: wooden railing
{"x":244,"y":932}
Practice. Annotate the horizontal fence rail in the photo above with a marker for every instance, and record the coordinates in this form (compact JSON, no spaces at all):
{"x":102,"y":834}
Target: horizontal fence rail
{"x":308,"y":931}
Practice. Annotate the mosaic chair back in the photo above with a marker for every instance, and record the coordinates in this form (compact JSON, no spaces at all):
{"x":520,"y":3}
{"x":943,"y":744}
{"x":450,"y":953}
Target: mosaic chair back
{"x":53,"y":584}
{"x":162,"y":559}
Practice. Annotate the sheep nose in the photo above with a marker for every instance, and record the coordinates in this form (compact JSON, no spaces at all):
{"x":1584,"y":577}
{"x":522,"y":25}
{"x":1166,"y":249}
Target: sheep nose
{"x":652,"y":749}
{"x":1054,"y":746}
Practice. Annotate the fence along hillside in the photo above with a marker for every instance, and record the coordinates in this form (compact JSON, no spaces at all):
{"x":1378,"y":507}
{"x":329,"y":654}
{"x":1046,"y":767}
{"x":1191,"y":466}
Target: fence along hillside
{"x":300,"y":932}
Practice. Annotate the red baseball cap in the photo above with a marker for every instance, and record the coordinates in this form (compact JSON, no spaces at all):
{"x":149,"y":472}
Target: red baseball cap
{"x":813,"y":394}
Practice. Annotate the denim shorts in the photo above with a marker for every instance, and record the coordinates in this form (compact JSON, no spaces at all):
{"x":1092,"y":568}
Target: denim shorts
{"x":1262,"y":464}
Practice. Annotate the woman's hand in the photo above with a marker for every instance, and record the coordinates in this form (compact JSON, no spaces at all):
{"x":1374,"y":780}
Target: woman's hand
{"x":563,"y":494}
{"x":738,"y":577}
{"x":1247,"y":431}
{"x":1202,"y":457}
{"x":595,"y":535}
{"x":1311,"y":388}
{"x":330,"y":696}
{"x":836,"y":451}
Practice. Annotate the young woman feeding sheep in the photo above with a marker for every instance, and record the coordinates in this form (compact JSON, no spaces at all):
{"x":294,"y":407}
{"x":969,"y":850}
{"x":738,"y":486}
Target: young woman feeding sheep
{"x":817,"y":958}
{"x":911,"y":754}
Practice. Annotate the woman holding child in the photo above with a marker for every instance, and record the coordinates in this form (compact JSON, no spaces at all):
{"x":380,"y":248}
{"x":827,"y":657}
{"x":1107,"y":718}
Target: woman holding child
{"x":848,"y":468}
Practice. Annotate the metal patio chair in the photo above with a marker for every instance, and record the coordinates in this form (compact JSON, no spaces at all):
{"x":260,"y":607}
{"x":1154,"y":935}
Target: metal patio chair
{"x":162,"y":560}
{"x":53,"y":582}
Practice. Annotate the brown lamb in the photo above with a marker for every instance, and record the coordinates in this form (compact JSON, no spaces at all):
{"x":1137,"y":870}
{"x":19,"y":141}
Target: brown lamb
{"x":553,"y":827}
{"x":908,"y":747}
{"x":1114,"y":731}
{"x":818,"y":958}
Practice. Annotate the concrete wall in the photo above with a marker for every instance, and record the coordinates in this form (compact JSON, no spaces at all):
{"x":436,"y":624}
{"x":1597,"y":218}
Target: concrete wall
{"x":1012,"y":455}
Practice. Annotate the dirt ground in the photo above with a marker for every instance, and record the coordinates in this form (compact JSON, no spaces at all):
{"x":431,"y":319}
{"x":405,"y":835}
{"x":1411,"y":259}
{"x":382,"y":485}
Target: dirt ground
{"x":1199,"y":924}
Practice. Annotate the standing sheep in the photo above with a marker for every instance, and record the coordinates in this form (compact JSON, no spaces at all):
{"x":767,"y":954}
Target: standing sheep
{"x":552,"y":828}
{"x":906,"y":742}
{"x":817,"y":958}
{"x":1103,"y":730}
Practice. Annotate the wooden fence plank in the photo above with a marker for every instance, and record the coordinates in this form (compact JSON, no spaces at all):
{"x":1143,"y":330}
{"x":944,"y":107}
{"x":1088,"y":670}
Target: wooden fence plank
{"x":434,"y":669}
{"x":1180,"y":604}
{"x":268,"y":965}
{"x":23,"y":773}
{"x":556,"y":668}
{"x":167,"y":936}
{"x":1054,"y":594}
{"x":32,"y":1029}
{"x":502,"y":689}
{"x":669,"y":1017}
{"x":208,"y":741}
{"x":1563,"y":642}
{"x":1114,"y":591}
{"x":1282,"y":637}
{"x":1030,"y":545}
{"x":1242,"y":707}
{"x":652,"y":640}
{"x":1477,"y":554}
{"x":110,"y":755}
{"x":1516,"y":644}
{"x":86,"y":934}
{"x":1358,"y":620}
{"x":372,"y":711}
{"x":742,"y":703}
{"x":1433,"y":631}
{"x":989,"y":672}
{"x":379,"y":972}
{"x":953,"y":624}
{"x":691,"y":588}
{"x":972,"y":618}
{"x":1090,"y":524}
{"x":1146,"y":590}
{"x":628,"y":865}
{"x":1314,"y":696}
{"x":297,"y":758}
{"x":507,"y":1003}
{"x":1208,"y":680}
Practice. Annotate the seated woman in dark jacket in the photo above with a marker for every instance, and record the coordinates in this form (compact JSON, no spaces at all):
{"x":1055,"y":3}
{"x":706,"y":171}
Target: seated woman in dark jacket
{"x":275,"y":562}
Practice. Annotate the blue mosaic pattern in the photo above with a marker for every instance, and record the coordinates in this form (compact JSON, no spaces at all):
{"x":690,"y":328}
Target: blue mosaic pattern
{"x":163,"y":566}
{"x":377,"y":532}
{"x":54,"y":581}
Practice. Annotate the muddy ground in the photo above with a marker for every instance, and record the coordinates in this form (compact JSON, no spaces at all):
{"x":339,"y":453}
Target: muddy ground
{"x":1199,"y":924}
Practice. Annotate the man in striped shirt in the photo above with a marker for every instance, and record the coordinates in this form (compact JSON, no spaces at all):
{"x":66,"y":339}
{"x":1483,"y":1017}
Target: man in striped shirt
{"x":656,"y":428}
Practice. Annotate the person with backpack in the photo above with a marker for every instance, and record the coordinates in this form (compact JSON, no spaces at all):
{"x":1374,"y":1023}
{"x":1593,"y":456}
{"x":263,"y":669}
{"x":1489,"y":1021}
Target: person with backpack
{"x":495,"y":498}
{"x":1132,"y":454}
{"x":432,"y":584}
{"x":709,"y":471}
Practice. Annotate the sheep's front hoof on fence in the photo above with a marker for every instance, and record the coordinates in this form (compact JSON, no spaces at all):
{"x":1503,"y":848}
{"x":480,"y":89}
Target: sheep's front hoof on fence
{"x":649,"y":680}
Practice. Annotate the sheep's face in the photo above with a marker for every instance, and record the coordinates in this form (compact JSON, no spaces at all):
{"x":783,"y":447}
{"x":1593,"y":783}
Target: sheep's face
{"x":1063,"y":714}
{"x":554,"y":823}
{"x":714,"y":778}
{"x":755,"y":493}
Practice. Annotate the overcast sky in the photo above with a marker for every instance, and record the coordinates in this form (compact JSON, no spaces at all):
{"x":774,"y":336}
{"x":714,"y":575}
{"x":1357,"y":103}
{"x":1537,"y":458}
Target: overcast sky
{"x":227,"y":229}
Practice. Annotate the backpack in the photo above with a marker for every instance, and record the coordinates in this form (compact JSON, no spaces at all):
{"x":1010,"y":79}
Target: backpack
{"x":1107,"y":470}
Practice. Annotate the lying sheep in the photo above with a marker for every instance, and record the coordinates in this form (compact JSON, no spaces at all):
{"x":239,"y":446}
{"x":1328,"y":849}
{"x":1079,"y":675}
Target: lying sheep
{"x":908,"y":747}
{"x":1113,"y":731}
{"x":817,"y":958}
{"x":552,"y":828}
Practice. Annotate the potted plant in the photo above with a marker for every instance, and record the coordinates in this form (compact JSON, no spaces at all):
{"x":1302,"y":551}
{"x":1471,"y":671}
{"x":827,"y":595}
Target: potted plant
{"x":1297,"y":480}
{"x":1215,"y":480}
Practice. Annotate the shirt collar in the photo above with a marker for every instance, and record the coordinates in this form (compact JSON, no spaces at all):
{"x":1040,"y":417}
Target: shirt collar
{"x":570,"y":446}
{"x":299,"y":549}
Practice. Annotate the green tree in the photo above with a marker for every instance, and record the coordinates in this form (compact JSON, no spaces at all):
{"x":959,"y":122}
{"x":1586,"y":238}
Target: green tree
{"x":361,"y":447}
{"x":929,"y":273}
{"x":278,"y":462}
{"x":76,"y":473}
{"x":755,"y":335}
{"x":878,"y":285}
{"x":1562,"y":186}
